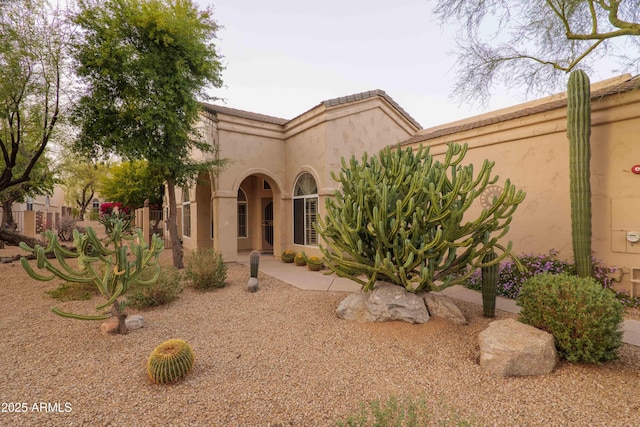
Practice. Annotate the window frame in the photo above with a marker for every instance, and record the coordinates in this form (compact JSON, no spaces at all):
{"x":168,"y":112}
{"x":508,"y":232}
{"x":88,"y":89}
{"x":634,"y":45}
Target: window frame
{"x":186,"y":213}
{"x":304,"y":197}
{"x":244,"y":203}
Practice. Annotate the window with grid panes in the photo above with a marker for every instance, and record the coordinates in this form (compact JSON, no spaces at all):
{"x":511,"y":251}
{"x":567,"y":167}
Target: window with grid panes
{"x":242,"y":214}
{"x":305,"y":210}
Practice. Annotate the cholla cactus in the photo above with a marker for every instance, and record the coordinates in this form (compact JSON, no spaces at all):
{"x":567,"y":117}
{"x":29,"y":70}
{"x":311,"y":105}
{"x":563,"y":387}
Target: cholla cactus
{"x":404,"y":217}
{"x":112,"y":275}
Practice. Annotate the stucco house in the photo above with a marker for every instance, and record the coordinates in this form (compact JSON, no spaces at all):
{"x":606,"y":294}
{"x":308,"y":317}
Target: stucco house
{"x":280,"y":171}
{"x":529,"y":145}
{"x":270,"y":194}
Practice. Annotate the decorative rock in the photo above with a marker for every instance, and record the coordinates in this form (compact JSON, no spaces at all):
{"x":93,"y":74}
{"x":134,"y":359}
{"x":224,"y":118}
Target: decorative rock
{"x":252,"y":284}
{"x":385,"y":302}
{"x":134,"y":322}
{"x":109,"y":327}
{"x":510,"y":348}
{"x":354,"y":307}
{"x":443,"y":306}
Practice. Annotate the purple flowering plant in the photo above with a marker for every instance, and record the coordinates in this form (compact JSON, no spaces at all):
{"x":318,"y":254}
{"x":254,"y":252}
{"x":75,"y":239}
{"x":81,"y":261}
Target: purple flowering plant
{"x":511,"y":278}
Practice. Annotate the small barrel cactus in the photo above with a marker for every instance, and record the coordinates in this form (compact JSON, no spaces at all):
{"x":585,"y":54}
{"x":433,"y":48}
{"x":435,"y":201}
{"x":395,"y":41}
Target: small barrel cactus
{"x":489,"y":285}
{"x":300,"y":259}
{"x":314,"y":263}
{"x":287,"y":256}
{"x":254,"y":262}
{"x":170,"y":361}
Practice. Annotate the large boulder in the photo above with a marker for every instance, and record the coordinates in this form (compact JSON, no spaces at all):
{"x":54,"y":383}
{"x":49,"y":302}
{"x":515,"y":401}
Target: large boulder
{"x":385,"y":302}
{"x":443,"y":306}
{"x":510,"y":348}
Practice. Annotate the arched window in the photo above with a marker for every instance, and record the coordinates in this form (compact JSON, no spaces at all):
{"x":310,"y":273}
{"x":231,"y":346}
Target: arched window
{"x":243,"y":219}
{"x":186,"y":213}
{"x":305,"y":210}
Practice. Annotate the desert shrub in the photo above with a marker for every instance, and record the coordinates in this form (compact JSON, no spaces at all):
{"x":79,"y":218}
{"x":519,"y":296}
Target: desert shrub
{"x":511,"y":278}
{"x":404,"y":412}
{"x":69,"y":291}
{"x":66,"y":227}
{"x":164,"y":290}
{"x":206,"y":269}
{"x":583,"y":317}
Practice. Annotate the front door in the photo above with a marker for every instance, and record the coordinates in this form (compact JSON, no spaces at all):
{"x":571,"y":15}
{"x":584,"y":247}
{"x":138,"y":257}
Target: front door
{"x":267,"y":225}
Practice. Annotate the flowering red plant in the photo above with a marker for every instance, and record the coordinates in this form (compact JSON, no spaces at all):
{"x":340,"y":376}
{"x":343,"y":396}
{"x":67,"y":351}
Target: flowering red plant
{"x":111,"y":211}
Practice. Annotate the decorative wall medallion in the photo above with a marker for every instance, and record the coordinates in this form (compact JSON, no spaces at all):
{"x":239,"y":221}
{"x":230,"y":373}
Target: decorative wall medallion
{"x":488,"y":195}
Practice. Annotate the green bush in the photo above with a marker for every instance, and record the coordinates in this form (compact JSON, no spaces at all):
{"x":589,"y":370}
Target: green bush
{"x":206,"y":269}
{"x":404,"y":412}
{"x":583,"y":317}
{"x":162,"y":291}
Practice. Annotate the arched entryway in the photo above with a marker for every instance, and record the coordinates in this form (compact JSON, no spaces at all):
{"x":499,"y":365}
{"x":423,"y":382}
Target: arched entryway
{"x":258,"y":224}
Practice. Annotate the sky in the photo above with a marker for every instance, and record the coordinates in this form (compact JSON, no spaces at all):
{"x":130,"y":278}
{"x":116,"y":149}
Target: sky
{"x":284,"y":57}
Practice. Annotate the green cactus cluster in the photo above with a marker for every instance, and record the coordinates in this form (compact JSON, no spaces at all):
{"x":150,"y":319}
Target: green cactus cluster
{"x":170,"y":361}
{"x":404,"y":217}
{"x":103,"y":263}
{"x":579,"y":133}
{"x":490,"y":274}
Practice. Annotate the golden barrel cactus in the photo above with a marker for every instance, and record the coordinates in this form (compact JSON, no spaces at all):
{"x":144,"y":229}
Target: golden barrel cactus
{"x":170,"y":361}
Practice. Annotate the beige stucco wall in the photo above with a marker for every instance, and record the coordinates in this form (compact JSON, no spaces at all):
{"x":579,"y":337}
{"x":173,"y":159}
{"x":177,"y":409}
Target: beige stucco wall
{"x":317,"y":140}
{"x":533,"y":152}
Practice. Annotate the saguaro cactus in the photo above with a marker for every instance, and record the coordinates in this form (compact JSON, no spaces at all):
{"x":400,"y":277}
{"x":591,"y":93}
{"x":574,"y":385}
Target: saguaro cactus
{"x":112,"y":275}
{"x":579,"y":132}
{"x":489,"y":284}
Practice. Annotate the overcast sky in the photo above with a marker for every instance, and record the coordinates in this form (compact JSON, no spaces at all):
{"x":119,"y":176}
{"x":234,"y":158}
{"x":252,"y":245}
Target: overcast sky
{"x":284,"y":57}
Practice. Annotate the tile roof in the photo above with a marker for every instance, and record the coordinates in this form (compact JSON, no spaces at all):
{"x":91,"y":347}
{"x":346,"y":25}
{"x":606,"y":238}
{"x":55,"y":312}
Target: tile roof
{"x":370,"y":94}
{"x":212,"y":108}
{"x":632,"y":83}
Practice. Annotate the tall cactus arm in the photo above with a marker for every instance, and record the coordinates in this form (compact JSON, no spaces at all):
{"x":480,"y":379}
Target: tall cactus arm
{"x":80,"y":316}
{"x":31,"y":272}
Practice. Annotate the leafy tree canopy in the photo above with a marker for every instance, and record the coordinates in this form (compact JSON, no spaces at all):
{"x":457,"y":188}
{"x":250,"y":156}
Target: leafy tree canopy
{"x":145,"y":63}
{"x":32,"y":48}
{"x":534,"y":43}
{"x":131,"y":183}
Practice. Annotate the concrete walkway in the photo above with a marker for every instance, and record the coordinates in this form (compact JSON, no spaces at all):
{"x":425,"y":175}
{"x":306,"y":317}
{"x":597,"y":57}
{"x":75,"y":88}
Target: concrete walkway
{"x":303,"y":278}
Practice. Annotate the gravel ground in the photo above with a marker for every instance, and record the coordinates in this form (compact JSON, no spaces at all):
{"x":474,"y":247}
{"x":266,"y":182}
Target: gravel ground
{"x":278,"y":357}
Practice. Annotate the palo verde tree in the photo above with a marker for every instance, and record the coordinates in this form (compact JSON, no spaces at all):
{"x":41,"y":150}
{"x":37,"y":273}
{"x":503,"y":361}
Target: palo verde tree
{"x":144,"y":64}
{"x":32,"y":53}
{"x":534,"y":44}
{"x":131,"y":183}
{"x":407,"y":218}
